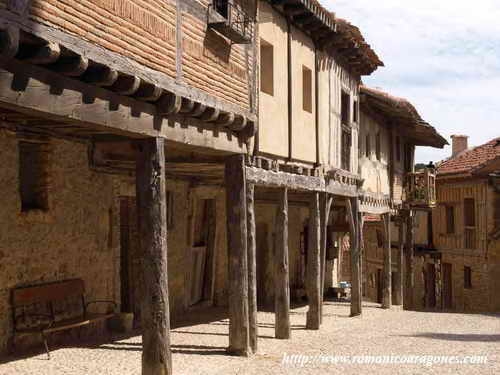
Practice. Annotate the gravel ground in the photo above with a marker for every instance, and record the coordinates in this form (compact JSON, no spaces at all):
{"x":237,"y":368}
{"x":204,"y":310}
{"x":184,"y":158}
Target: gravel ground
{"x":200,"y":349}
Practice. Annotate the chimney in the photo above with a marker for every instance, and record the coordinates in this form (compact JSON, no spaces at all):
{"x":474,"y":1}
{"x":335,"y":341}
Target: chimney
{"x":459,"y":144}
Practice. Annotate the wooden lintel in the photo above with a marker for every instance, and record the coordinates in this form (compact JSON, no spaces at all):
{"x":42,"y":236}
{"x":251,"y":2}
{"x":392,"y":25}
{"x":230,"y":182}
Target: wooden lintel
{"x":263,"y":177}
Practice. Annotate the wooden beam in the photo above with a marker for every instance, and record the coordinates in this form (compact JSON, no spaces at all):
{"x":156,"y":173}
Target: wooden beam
{"x":148,"y":92}
{"x":355,"y":229}
{"x":398,"y":288}
{"x":281,"y":271}
{"x":126,"y":85}
{"x":252,"y":268}
{"x":151,"y":200}
{"x":71,"y":66}
{"x":263,"y":177}
{"x":239,"y":123}
{"x":409,"y":255}
{"x":225,"y":119}
{"x":210,"y":115}
{"x":387,"y":285}
{"x":102,"y":76}
{"x":313,"y":266}
{"x":169,"y":104}
{"x":9,"y":41}
{"x":46,"y":54}
{"x":239,"y":340}
{"x":121,"y":115}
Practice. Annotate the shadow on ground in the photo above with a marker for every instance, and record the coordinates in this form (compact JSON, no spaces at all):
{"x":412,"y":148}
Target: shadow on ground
{"x":457,"y":337}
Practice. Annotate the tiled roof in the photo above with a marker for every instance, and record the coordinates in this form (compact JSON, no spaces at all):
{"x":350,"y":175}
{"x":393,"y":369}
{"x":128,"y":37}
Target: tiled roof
{"x":469,"y":161}
{"x":404,"y":114}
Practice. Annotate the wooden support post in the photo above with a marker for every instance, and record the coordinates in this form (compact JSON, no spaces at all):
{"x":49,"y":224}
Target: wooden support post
{"x":398,"y":288}
{"x":313,"y":266}
{"x":152,"y":210}
{"x":409,"y":267}
{"x":355,"y":225}
{"x":387,"y":291}
{"x":239,"y":341}
{"x":281,"y":271}
{"x":252,"y":267}
{"x":324,"y":205}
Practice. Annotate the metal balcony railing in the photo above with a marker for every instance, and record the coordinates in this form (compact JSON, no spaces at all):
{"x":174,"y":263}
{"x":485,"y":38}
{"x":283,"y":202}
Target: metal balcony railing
{"x":421,"y":189}
{"x":231,"y":21}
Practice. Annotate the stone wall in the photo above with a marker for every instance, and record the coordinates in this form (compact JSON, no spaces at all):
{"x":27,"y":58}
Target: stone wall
{"x":77,"y":237}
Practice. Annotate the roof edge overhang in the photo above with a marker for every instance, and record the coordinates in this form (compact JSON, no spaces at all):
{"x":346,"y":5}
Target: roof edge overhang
{"x":400,"y":112}
{"x":335,"y":36}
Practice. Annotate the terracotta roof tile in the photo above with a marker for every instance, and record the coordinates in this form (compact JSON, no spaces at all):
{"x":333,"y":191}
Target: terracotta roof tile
{"x":468,"y":161}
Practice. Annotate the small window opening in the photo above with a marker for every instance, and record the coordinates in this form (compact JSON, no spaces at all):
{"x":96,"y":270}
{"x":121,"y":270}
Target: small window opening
{"x":266,"y":67}
{"x":307,"y":89}
{"x":33,"y":179}
{"x":345,"y":108}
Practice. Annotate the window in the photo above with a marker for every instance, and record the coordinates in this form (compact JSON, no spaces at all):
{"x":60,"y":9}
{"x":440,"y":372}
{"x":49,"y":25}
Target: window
{"x":450,"y":219}
{"x":266,"y":67}
{"x":346,"y":150}
{"x":470,"y":223}
{"x":222,"y":7}
{"x":368,"y":149}
{"x":467,"y":277}
{"x":469,"y":212}
{"x":345,"y":106}
{"x":307,"y":89}
{"x":398,"y":148}
{"x":377,"y":146}
{"x":33,"y":181}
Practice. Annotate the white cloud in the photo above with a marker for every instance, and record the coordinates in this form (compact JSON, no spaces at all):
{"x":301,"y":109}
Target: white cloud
{"x":442,"y":55}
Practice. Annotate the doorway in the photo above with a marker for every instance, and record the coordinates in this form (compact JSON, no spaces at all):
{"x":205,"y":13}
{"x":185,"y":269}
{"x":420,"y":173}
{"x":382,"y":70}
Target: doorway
{"x":447,"y":286}
{"x":202,"y":251}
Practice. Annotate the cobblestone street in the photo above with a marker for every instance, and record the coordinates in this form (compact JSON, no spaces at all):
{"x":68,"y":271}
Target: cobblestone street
{"x":200,"y":349}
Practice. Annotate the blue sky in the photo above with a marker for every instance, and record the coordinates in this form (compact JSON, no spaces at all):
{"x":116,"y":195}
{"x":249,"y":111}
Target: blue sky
{"x":442,"y":55}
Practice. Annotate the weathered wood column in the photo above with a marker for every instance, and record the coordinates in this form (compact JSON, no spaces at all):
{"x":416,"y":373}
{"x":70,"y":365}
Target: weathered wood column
{"x":152,"y":211}
{"x":409,"y":267}
{"x":239,"y":340}
{"x":387,"y":291}
{"x":398,"y":288}
{"x":252,"y":268}
{"x":281,"y":270}
{"x":325,"y":204}
{"x":355,"y":225}
{"x":314,"y":266}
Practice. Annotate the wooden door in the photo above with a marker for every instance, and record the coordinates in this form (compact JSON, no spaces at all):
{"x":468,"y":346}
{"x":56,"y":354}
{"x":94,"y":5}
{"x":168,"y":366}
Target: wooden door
{"x":431,"y":285}
{"x":202,"y":251}
{"x":447,"y":286}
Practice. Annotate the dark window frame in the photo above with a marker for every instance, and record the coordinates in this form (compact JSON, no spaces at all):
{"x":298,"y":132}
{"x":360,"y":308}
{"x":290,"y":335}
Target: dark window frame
{"x":467,"y":277}
{"x":267,"y":53}
{"x":450,"y":219}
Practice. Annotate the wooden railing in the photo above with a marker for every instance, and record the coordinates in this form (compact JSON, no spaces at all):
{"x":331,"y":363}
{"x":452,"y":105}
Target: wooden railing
{"x":421,"y":189}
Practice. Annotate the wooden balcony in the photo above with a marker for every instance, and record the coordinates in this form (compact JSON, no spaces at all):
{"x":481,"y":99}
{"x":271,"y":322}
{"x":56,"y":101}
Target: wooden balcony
{"x":231,"y":21}
{"x":421,"y":189}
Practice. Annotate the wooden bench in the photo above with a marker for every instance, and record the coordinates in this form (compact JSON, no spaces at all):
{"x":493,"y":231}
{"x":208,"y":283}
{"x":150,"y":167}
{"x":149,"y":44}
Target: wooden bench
{"x":38,"y":309}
